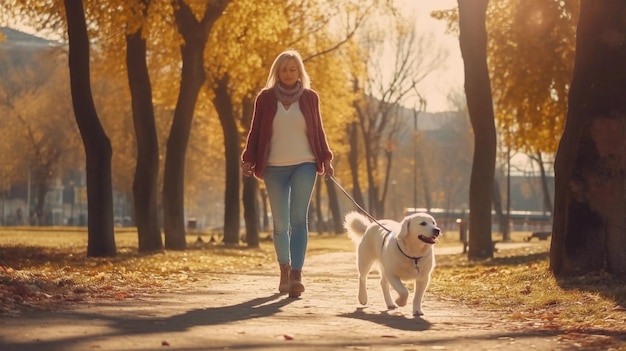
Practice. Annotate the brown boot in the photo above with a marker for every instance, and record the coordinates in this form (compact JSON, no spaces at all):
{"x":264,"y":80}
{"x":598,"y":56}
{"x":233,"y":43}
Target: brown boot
{"x":295,"y":283}
{"x":283,"y":287}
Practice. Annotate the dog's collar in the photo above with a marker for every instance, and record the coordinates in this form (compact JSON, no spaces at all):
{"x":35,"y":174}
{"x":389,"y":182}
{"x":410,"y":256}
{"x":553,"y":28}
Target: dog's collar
{"x":415,"y":259}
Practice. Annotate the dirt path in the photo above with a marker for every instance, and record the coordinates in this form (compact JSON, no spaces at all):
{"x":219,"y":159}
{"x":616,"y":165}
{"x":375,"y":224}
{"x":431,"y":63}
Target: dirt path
{"x":243,"y":312}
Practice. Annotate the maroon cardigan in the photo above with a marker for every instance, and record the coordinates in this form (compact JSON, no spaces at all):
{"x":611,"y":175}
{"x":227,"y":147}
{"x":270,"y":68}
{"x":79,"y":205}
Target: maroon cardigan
{"x":257,"y":146}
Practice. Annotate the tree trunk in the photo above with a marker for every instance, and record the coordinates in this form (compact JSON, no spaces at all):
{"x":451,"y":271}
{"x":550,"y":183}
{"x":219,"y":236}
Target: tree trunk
{"x":333,"y":204}
{"x":251,"y":189}
{"x":426,"y":189}
{"x":503,"y":218}
{"x":547,"y":199}
{"x":372,"y":189}
{"x":320,"y":224}
{"x":251,"y":210}
{"x":145,"y":188}
{"x":371,"y":141}
{"x":473,"y":41}
{"x":353,"y":160}
{"x":224,"y":107}
{"x":506,"y":228}
{"x":590,"y":168}
{"x":40,"y":204}
{"x":265,"y":206}
{"x":100,"y":234}
{"x":385,"y":189}
{"x":195,"y":35}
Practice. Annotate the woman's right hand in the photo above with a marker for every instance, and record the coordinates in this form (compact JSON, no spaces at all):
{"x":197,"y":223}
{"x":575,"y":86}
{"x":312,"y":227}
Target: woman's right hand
{"x":247,"y":169}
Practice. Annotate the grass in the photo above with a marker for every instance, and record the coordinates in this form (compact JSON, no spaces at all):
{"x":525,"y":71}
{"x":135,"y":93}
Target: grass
{"x":48,"y":268}
{"x":518,"y":284}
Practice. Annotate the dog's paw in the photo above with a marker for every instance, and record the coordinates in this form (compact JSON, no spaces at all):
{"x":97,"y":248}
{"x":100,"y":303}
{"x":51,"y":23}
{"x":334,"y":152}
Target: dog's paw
{"x":418,"y":314}
{"x":362,"y":297}
{"x":391,"y":307}
{"x":401,"y":300}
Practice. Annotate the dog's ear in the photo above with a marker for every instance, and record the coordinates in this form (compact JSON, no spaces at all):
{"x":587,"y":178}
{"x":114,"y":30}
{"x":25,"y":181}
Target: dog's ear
{"x":404,"y":228}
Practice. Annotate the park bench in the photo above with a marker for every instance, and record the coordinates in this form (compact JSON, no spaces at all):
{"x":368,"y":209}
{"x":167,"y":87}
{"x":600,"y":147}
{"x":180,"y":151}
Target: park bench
{"x":538,"y":235}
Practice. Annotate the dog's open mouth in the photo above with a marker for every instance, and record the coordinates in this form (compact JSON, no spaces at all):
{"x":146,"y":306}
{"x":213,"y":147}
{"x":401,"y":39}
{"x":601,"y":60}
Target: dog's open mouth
{"x":428,"y":240}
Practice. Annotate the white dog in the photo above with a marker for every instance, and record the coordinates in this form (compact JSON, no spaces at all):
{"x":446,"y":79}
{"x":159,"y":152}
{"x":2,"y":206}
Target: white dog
{"x":403,"y":251}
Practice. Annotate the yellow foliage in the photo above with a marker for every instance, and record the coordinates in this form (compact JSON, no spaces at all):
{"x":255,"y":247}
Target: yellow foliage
{"x":531,"y":46}
{"x":241,"y":47}
{"x":38,"y":130}
{"x":250,"y":34}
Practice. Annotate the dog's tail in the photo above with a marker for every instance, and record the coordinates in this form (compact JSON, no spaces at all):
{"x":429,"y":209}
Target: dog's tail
{"x":356,"y":224}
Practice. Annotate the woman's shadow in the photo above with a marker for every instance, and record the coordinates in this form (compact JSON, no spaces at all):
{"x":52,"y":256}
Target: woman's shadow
{"x":255,"y":308}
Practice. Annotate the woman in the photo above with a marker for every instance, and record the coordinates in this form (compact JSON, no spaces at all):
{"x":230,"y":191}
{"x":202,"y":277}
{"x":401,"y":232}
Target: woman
{"x":287,"y":148}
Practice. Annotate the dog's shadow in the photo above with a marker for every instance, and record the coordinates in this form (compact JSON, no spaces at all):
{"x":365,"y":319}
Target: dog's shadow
{"x":391,"y":319}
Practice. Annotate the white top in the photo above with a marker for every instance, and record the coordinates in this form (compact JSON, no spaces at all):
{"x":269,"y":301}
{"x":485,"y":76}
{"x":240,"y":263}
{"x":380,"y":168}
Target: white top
{"x":289,"y":144}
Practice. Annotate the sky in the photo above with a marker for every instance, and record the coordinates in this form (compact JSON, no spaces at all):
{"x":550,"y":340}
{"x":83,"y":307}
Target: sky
{"x":451,"y":76}
{"x":447,"y":80}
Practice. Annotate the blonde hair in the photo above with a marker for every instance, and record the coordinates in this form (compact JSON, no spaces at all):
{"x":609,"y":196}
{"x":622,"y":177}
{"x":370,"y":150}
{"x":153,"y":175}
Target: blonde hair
{"x":281,"y":61}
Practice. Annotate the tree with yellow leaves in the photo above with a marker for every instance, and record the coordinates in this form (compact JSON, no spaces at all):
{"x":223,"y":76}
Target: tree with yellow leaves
{"x":195,"y":36}
{"x":530,"y":90}
{"x":132,"y":15}
{"x":530,"y":50}
{"x":145,"y":183}
{"x":101,"y":241}
{"x":37,"y":133}
{"x":473,"y":41}
{"x":171,"y":45}
{"x":239,"y":71}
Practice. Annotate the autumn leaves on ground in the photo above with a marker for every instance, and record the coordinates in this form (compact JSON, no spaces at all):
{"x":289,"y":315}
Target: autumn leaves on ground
{"x":43,"y":270}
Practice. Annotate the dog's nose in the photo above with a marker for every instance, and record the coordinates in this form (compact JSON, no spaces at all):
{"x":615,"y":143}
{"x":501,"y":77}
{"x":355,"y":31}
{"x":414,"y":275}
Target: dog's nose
{"x":436,"y":232}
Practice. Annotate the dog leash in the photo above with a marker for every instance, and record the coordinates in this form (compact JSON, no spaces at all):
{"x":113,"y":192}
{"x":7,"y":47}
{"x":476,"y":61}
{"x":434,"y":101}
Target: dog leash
{"x":357,"y":205}
{"x":414,"y":259}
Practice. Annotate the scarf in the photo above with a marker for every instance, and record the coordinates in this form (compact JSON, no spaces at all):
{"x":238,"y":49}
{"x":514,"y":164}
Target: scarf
{"x":288,"y":96}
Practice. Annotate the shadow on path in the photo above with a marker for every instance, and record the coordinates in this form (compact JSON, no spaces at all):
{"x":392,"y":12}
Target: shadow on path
{"x":119,"y":326}
{"x":391,"y":320}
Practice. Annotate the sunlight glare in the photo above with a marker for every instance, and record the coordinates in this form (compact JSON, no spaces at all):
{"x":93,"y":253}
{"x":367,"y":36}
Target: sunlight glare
{"x":446,"y":81}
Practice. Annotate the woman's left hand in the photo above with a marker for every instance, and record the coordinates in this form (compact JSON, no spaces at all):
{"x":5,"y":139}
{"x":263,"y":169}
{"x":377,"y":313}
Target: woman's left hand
{"x":246,"y":168}
{"x":328,"y":170}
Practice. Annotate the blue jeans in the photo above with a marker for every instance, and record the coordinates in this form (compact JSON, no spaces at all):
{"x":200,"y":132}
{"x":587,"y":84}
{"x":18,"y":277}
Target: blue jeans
{"x":289,"y":190}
